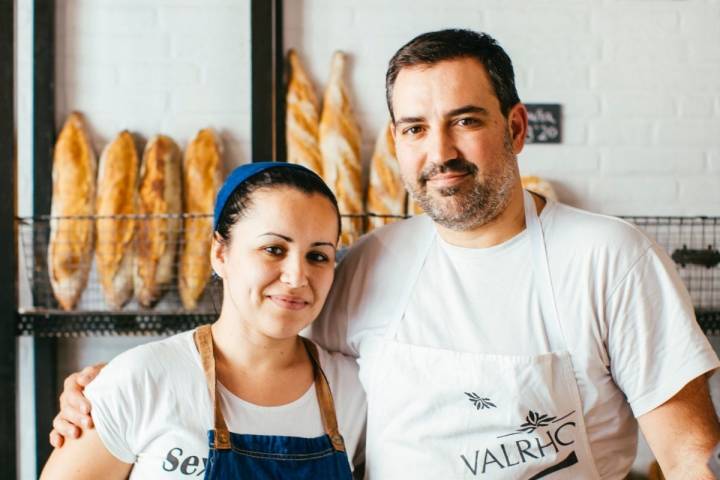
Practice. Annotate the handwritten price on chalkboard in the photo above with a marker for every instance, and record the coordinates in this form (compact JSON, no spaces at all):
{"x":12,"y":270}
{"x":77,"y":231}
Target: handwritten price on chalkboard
{"x":544,"y":123}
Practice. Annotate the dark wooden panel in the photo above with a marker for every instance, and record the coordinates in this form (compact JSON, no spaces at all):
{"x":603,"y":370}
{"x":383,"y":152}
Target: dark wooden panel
{"x":8,"y":249}
{"x":267,"y":89}
{"x":45,"y":349}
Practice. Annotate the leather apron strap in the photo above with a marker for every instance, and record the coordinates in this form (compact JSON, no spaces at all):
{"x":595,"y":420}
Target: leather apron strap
{"x":325,"y":399}
{"x":204,"y":343}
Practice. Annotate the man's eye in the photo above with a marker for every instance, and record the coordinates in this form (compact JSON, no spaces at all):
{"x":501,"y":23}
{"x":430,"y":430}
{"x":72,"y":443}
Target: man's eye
{"x":466,"y":122}
{"x":274,"y":251}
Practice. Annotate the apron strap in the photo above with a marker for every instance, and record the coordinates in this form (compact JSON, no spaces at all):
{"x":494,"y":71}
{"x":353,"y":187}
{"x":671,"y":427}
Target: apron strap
{"x":204,"y":343}
{"x":325,"y":399}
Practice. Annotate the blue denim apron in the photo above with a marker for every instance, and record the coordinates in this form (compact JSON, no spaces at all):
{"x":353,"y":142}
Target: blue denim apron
{"x":235,"y":455}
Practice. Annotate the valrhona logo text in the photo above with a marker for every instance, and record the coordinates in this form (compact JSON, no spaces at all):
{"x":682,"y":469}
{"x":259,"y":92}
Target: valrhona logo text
{"x":536,"y":440}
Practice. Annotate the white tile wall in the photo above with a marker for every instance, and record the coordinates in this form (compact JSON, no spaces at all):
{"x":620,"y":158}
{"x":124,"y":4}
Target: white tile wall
{"x":639,"y":81}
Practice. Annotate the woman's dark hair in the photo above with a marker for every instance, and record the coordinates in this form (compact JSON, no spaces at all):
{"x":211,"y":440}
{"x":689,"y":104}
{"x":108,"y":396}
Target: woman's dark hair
{"x":241,"y":198}
{"x":434,"y":47}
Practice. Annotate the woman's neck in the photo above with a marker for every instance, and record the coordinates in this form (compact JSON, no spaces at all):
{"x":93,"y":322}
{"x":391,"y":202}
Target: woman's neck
{"x":242,"y":349}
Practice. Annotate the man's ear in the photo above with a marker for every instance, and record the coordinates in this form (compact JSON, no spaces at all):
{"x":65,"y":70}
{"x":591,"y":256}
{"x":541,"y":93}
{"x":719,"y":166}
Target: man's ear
{"x":518,"y":125}
{"x":218,"y":252}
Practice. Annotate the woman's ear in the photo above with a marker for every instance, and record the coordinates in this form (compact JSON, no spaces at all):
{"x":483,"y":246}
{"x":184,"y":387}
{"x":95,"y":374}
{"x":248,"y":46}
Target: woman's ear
{"x":218,"y":252}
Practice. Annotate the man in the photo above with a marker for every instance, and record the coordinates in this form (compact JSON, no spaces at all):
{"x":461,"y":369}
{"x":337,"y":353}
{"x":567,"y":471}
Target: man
{"x":503,"y":335}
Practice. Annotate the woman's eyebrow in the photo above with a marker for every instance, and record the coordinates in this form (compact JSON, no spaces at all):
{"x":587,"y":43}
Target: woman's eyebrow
{"x":284,"y":237}
{"x":290,"y":240}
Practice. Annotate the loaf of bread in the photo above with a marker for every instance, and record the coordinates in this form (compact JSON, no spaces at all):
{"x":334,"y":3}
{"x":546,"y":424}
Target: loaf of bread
{"x":302,"y":118}
{"x":116,"y":195}
{"x":71,"y":240}
{"x":540,"y":186}
{"x":386,"y":194}
{"x":157,"y":234}
{"x":340,"y":147}
{"x":202,"y":177}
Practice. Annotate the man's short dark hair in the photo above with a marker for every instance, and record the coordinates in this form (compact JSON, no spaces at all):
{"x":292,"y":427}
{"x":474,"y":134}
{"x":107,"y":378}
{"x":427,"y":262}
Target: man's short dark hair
{"x":434,"y":47}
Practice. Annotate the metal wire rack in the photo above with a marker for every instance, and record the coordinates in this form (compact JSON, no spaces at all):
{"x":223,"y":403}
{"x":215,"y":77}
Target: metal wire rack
{"x":692,"y":242}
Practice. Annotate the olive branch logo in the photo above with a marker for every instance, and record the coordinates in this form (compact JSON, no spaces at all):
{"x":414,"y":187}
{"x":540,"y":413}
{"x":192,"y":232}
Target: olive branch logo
{"x":533,"y":421}
{"x":480,"y":403}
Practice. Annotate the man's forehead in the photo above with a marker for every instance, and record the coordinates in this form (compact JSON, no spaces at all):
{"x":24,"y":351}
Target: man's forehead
{"x":447,"y":85}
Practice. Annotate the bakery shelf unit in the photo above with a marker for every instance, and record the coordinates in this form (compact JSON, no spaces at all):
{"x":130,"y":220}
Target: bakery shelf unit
{"x":42,"y":320}
{"x":115,"y":311}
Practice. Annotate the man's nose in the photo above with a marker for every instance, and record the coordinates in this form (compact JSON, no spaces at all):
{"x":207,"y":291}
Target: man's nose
{"x":441,"y":146}
{"x":293,"y":272}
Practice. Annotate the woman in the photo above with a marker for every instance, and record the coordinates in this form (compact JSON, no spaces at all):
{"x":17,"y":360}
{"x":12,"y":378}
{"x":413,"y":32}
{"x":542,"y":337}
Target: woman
{"x":246,"y":397}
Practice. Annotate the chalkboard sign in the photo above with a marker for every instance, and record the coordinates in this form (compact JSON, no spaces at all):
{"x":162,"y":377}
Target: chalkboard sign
{"x":544,"y":123}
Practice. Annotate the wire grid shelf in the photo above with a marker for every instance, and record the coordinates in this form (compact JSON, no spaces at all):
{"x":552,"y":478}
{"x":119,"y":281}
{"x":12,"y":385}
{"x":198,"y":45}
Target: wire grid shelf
{"x":692,"y":242}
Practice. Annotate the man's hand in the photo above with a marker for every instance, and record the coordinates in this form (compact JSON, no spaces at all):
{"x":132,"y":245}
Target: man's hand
{"x":683,"y":432}
{"x":74,"y":413}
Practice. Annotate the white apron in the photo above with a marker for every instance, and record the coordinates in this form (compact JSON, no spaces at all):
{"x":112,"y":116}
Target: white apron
{"x":443,"y":414}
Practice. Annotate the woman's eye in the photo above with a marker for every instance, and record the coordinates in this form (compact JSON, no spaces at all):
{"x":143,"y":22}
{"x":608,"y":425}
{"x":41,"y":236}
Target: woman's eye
{"x":317,"y":257}
{"x":274,"y":251}
{"x":414,"y":130}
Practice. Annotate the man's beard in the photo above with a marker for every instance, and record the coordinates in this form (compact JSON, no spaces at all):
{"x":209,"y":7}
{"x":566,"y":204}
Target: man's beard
{"x":467,"y":207}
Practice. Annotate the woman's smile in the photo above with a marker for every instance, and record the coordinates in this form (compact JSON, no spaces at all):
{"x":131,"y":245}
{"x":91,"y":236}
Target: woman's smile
{"x":289,"y":302}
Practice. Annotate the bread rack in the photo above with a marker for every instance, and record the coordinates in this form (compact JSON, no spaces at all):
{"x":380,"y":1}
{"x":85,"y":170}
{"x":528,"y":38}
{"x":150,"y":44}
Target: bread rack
{"x":692,"y":242}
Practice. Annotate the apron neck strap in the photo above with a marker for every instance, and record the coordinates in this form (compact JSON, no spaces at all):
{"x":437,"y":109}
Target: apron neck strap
{"x":204,"y":343}
{"x":325,"y":399}
{"x":543,"y":282}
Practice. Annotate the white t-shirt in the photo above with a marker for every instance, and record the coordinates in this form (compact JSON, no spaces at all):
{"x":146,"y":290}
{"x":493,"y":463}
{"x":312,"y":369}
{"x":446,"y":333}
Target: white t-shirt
{"x":632,"y":334}
{"x":151,"y":407}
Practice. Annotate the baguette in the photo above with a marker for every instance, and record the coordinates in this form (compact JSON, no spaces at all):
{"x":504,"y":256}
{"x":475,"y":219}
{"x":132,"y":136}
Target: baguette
{"x":302,"y":118}
{"x":386,"y":194}
{"x":156,"y":243}
{"x":71,"y":240}
{"x":202,"y":177}
{"x":540,"y":186}
{"x":340,"y":147}
{"x":116,"y":195}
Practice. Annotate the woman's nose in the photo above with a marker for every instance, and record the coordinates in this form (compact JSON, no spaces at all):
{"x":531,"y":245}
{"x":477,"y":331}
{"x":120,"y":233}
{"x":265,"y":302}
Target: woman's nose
{"x":293,"y":272}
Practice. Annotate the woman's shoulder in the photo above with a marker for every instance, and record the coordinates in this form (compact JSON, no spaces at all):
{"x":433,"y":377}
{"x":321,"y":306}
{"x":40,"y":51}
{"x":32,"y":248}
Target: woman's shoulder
{"x":153,"y":360}
{"x":342,"y":374}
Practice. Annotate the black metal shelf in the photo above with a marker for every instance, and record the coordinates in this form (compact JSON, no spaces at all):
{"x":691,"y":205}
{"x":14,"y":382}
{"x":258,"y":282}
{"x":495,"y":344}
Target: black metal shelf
{"x":59,"y":324}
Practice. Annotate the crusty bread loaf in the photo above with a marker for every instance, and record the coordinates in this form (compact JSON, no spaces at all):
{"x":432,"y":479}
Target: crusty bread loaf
{"x":302,"y":118}
{"x":116,"y":195}
{"x":156,"y":243}
{"x":71,"y":240}
{"x":340,"y":147}
{"x":386,"y":194}
{"x":202,"y":177}
{"x":539,"y":186}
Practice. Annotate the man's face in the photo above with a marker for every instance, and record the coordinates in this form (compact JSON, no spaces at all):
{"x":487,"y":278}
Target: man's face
{"x":455,"y":148}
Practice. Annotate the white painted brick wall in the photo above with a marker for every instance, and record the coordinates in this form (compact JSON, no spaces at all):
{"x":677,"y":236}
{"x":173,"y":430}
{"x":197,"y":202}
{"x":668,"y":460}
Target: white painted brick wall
{"x":639,"y":81}
{"x":156,"y":67}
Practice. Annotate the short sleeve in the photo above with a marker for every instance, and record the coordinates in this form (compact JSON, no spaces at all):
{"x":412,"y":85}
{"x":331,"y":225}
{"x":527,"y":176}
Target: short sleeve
{"x":116,"y":401}
{"x":330,"y":329}
{"x":655,"y":345}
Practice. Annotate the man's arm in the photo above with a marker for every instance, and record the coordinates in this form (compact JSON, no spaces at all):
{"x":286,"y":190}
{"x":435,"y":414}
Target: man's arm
{"x":74,"y":415}
{"x":683,"y":431}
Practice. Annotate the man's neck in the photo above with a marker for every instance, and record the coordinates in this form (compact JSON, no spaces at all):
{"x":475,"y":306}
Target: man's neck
{"x":504,"y":227}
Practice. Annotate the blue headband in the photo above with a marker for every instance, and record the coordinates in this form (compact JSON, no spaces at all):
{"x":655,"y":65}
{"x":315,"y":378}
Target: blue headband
{"x":242,"y":173}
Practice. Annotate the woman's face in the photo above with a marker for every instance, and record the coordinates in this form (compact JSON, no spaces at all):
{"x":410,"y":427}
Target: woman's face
{"x":278,"y":266}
